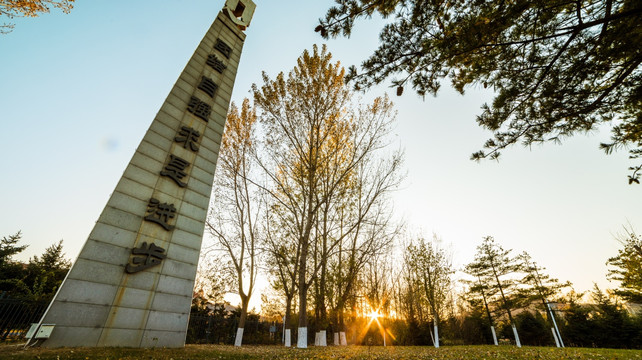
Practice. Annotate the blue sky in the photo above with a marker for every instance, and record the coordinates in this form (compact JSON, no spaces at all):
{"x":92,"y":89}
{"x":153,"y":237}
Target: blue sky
{"x":78,"y":91}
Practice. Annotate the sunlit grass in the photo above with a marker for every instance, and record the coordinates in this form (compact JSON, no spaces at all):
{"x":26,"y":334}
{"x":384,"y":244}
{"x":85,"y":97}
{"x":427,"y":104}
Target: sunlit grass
{"x":195,"y":352}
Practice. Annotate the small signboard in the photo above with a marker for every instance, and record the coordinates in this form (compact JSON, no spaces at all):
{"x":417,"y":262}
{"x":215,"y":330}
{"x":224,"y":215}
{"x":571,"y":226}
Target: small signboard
{"x":45,"y":331}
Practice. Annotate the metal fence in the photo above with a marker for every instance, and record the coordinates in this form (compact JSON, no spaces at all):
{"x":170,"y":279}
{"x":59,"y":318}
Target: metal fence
{"x":205,"y":329}
{"x":17,"y":315}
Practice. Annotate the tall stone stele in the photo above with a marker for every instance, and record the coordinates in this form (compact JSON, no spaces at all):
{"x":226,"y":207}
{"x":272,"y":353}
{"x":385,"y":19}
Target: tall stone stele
{"x":132,"y":283}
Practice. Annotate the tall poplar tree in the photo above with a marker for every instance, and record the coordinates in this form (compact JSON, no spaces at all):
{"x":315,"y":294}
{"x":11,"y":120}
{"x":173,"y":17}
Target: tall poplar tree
{"x":316,"y":137}
{"x":234,"y":219}
{"x":282,"y":260}
{"x":433,"y":269}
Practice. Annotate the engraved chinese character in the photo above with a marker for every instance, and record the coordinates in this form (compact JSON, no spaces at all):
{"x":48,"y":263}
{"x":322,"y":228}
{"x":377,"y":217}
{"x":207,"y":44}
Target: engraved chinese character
{"x":174,"y":170}
{"x":215,"y":63}
{"x":208,"y":86}
{"x":199,"y":108}
{"x":160,"y":213}
{"x":225,"y":49}
{"x":189,"y":137}
{"x":145,"y":257}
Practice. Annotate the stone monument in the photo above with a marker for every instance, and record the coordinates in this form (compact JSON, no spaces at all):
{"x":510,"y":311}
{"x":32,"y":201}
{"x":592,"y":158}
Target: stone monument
{"x":132,"y":283}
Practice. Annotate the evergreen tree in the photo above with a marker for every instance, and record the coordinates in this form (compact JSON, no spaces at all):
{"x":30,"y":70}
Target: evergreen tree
{"x":497,"y":269}
{"x":477,"y":297}
{"x":540,"y":288}
{"x":53,"y":259}
{"x":10,"y":270}
{"x":557,"y":67}
{"x":576,"y":328}
{"x":533,"y":329}
{"x":627,"y":267}
{"x":37,"y":280}
{"x":44,"y":274}
{"x":613,"y":326}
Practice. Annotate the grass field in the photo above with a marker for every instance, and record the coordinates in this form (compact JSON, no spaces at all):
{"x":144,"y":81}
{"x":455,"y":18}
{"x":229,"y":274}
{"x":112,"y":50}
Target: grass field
{"x":196,"y":352}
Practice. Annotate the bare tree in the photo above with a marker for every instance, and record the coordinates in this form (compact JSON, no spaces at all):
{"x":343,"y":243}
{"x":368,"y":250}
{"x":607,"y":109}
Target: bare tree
{"x":315,"y":140}
{"x":233,"y":221}
{"x":282,"y":260}
{"x":367,"y":232}
{"x":433,"y":268}
{"x":29,"y":8}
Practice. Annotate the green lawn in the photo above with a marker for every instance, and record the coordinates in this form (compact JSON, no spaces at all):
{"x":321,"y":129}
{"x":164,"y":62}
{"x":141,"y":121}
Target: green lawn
{"x":195,"y":352}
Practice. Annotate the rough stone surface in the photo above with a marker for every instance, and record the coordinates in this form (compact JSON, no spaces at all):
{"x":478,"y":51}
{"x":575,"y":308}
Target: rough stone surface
{"x":84,"y":269}
{"x":167,"y":302}
{"x":114,"y":337}
{"x":77,"y":314}
{"x":87,"y":292}
{"x":167,"y":321}
{"x":73,"y":336}
{"x":156,"y":338}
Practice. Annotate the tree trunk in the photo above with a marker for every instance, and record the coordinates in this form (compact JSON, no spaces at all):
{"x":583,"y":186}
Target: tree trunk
{"x":490,"y":318}
{"x":288,"y":312}
{"x":287,"y":328}
{"x":302,"y":337}
{"x":510,"y":315}
{"x":322,"y":313}
{"x":436,"y":326}
{"x":239,"y":332}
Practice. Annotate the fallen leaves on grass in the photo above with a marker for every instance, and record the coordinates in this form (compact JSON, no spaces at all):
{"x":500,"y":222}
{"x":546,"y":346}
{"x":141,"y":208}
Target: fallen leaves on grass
{"x":202,"y":352}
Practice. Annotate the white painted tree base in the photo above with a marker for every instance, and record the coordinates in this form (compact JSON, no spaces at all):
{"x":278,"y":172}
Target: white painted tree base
{"x":343,"y":338}
{"x":436,"y":336}
{"x":323,"y":338}
{"x":239,"y":337}
{"x":317,"y":337}
{"x":557,"y":342}
{"x":336,"y":338}
{"x":517,"y":342}
{"x":302,"y":338}
{"x":492,"y":329}
{"x":288,"y":338}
